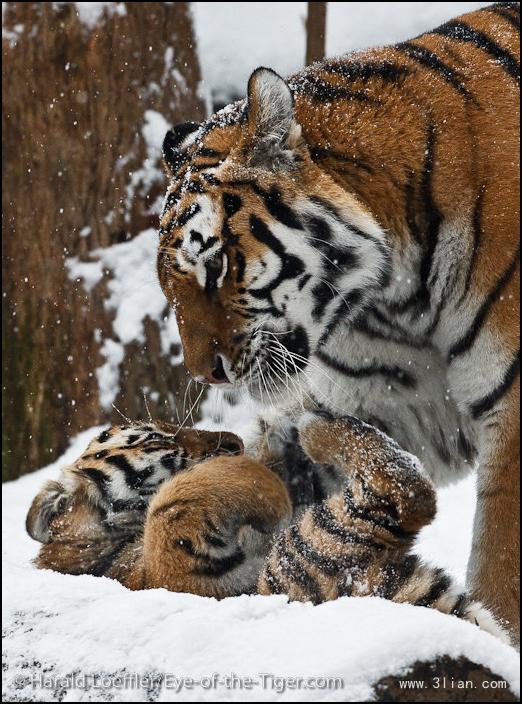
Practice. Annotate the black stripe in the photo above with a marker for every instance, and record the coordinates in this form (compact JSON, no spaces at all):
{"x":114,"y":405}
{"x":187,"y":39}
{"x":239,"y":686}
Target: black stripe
{"x":207,"y":152}
{"x":291,"y":266}
{"x":477,"y":236}
{"x":214,"y":540}
{"x":273,"y":582}
{"x":195,"y":187}
{"x":467,"y":341}
{"x":262,"y":233}
{"x":430,"y":60}
{"x":433,"y":217}
{"x":437,"y":589}
{"x":464,"y":33}
{"x":486,"y":403}
{"x":171,"y":461}
{"x":353,"y":229}
{"x":410,"y":209}
{"x":240,"y":265}
{"x":368,"y":515}
{"x":342,"y":312}
{"x":326,"y":521}
{"x":99,"y":478}
{"x":513,"y":6}
{"x":328,"y":564}
{"x":231,"y":204}
{"x":195,"y":168}
{"x":135,"y":479}
{"x":303,"y":281}
{"x":459,"y":610}
{"x":106,"y":562}
{"x":321,"y":153}
{"x":210,"y":179}
{"x":404,"y":378}
{"x":394,"y":574}
{"x":359,"y":71}
{"x":337,"y":259}
{"x":362,"y":325}
{"x":132,"y":477}
{"x":465,"y":447}
{"x":217,"y":567}
{"x":317,"y":89}
{"x":119,"y":505}
{"x":187,"y":214}
{"x":277,"y":208}
{"x":296,"y":572}
{"x":170,"y":201}
{"x":323,"y":293}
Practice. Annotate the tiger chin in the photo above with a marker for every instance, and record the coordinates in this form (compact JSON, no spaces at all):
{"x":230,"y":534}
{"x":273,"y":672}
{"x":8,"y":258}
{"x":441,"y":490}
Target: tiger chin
{"x":155,"y":506}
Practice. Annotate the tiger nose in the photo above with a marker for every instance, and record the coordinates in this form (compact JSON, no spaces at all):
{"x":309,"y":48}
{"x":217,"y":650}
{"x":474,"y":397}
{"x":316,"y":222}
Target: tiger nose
{"x":218,"y":375}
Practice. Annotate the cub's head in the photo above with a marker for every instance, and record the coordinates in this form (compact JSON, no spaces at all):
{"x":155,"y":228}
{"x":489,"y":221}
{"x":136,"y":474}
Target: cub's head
{"x":110,"y":486}
{"x":261,"y":252}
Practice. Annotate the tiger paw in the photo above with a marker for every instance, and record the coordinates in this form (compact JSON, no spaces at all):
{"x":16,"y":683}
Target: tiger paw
{"x":319,"y":437}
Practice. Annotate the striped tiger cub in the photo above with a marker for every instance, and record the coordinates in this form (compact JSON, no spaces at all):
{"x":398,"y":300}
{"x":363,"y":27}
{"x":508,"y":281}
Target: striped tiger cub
{"x":145,"y":505}
{"x":349,"y":237}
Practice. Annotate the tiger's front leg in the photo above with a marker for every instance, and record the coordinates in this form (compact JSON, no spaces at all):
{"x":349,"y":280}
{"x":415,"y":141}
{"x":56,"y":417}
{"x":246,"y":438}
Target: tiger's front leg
{"x":357,"y":543}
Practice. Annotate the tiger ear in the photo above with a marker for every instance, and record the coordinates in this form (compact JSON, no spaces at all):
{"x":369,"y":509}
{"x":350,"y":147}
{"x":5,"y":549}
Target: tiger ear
{"x":273,"y":130}
{"x":175,"y":145}
{"x":51,"y":501}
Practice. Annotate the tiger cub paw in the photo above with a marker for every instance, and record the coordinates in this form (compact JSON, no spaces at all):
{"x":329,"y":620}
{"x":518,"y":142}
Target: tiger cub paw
{"x":319,"y":437}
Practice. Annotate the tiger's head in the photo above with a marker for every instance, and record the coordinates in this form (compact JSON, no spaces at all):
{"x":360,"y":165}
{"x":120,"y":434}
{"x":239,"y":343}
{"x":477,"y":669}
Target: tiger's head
{"x":262,"y":253}
{"x":108,"y":488}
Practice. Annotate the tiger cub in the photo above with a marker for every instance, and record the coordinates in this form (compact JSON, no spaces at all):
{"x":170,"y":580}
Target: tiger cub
{"x":146,"y":506}
{"x":126,"y":509}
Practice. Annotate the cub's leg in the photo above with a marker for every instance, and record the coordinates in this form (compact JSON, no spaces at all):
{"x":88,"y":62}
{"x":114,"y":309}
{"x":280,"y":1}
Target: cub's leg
{"x":278,"y":447}
{"x":358,"y":542}
{"x":209,"y":529}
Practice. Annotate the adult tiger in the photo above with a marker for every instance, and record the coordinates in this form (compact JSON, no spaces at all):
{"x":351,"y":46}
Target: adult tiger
{"x":350,"y":237}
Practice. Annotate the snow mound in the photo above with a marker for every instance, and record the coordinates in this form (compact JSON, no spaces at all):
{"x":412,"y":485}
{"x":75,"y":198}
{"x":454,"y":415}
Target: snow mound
{"x":164,"y":646}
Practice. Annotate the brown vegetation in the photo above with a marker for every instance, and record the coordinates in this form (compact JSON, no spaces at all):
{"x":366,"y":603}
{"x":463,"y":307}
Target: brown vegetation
{"x":73,"y":109}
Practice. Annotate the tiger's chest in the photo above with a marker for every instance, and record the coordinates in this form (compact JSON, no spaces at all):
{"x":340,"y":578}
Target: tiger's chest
{"x":402,"y":389}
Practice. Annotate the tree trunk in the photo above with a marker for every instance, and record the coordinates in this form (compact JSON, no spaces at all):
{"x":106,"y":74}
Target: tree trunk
{"x":77,"y":176}
{"x":315,"y":32}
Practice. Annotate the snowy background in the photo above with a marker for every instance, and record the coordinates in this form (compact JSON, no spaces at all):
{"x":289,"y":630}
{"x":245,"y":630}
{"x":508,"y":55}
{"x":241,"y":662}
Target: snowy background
{"x":234,"y":38}
{"x":59,"y":625}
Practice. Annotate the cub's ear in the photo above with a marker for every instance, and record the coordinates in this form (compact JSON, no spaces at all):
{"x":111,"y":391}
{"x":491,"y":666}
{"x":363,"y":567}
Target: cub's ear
{"x":51,"y":501}
{"x":273,"y":131}
{"x":175,"y":144}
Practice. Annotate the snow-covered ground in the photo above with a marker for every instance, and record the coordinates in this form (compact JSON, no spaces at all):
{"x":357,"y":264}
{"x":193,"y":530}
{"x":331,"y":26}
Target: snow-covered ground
{"x":57,"y":626}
